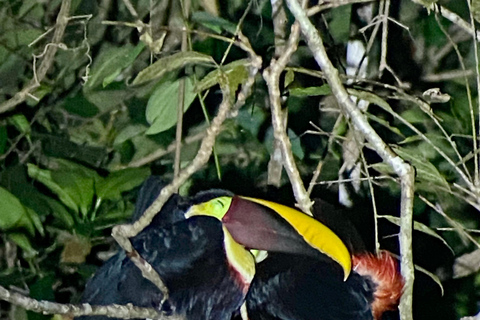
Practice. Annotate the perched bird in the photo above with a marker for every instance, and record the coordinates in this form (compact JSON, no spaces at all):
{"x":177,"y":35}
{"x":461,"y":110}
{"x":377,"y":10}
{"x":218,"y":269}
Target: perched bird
{"x":295,"y":287}
{"x":200,"y":248}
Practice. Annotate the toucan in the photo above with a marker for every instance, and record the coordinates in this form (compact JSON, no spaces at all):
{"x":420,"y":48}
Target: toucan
{"x":203,"y":248}
{"x":297,"y":287}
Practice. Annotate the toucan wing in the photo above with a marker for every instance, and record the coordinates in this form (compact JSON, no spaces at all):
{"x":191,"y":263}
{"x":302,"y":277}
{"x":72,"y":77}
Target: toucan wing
{"x":289,"y":287}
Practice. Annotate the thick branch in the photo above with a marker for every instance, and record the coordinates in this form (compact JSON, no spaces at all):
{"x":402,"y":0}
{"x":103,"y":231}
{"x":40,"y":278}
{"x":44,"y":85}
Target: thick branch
{"x":47,"y":307}
{"x":401,"y":168}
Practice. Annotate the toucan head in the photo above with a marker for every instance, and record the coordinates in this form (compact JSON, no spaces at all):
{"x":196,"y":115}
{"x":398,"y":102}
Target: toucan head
{"x":263,"y":225}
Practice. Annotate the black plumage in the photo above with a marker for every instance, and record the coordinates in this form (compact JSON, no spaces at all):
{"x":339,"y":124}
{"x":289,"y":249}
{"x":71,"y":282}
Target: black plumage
{"x":293,"y":287}
{"x":189,"y":256}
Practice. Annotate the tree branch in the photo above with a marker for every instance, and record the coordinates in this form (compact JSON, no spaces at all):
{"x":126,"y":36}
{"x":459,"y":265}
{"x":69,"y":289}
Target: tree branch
{"x":272,"y":77}
{"x":47,"y":62}
{"x":47,"y":307}
{"x":400,"y":167}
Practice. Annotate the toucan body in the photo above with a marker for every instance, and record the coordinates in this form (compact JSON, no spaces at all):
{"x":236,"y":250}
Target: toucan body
{"x":200,"y":248}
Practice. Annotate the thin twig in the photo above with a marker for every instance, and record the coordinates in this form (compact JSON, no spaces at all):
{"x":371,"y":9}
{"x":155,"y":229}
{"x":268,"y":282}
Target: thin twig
{"x":47,"y":62}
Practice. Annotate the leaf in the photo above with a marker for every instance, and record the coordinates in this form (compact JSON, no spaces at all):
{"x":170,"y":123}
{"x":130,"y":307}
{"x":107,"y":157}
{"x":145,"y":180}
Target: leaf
{"x":212,"y":22}
{"x":45,"y":177}
{"x":130,"y":131}
{"x":119,"y":181}
{"x":323,"y":90}
{"x":235,"y":71}
{"x":21,"y":123}
{"x":432,"y":276}
{"x":340,"y":24}
{"x":426,"y":171}
{"x":372,"y":98}
{"x":297,"y":149}
{"x":59,"y":212}
{"x":111,"y":62}
{"x":171,"y":63}
{"x":11,"y":210}
{"x":289,"y":78}
{"x":23,"y":242}
{"x":76,"y":248}
{"x":417,"y":226}
{"x":162,"y":106}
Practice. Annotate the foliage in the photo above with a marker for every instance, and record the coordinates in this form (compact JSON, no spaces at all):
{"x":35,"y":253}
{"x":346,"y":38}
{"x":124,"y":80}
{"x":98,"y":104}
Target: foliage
{"x":104,"y":118}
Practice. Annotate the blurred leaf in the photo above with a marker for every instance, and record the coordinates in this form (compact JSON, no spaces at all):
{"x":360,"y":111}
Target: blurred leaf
{"x":42,"y":289}
{"x":111,"y":62}
{"x":297,"y":149}
{"x":426,"y":171}
{"x":162,"y":106}
{"x":235,"y":71}
{"x":12,"y":213}
{"x":106,"y":100}
{"x":171,"y":63}
{"x":73,"y":183}
{"x":433,"y":276}
{"x":475,"y":5}
{"x":323,"y":90}
{"x":75,"y":250}
{"x":419,"y":227}
{"x":45,"y":177}
{"x":130,"y":131}
{"x":23,"y":242}
{"x":289,"y":78}
{"x":339,"y":26}
{"x":119,"y":181}
{"x":251,"y":120}
{"x":212,"y":22}
{"x":39,"y":93}
{"x":21,"y":123}
{"x":60,"y":212}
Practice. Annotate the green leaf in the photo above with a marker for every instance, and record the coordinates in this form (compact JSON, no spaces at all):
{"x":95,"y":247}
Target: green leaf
{"x":419,"y":227}
{"x":21,"y":123}
{"x":339,"y":26}
{"x":171,"y":63}
{"x":73,"y":183}
{"x":130,"y":131}
{"x":370,"y":97}
{"x":111,"y":62}
{"x":119,"y":181}
{"x":23,"y":242}
{"x":11,"y":210}
{"x":297,"y":149}
{"x":235,"y":71}
{"x":432,"y":276}
{"x":323,"y":90}
{"x":212,"y":22}
{"x":162,"y":106}
{"x":289,"y":78}
{"x":60,"y":212}
{"x":45,"y":177}
{"x":426,"y":171}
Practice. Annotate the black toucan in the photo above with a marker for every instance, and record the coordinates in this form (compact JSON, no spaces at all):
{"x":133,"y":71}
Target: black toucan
{"x":296,"y":287}
{"x":202,"y":248}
